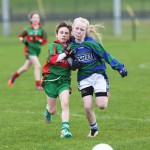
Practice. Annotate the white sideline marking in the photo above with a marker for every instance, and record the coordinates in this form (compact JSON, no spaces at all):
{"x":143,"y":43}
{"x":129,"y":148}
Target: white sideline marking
{"x":81,"y":116}
{"x":145,"y":65}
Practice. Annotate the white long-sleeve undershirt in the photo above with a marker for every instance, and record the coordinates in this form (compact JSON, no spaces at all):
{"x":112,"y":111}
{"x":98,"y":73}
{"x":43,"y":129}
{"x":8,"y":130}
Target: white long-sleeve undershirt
{"x":60,"y":57}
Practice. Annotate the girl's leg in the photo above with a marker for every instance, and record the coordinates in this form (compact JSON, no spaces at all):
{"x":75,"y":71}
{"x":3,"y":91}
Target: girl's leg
{"x":88,"y":107}
{"x":102,"y":102}
{"x":64,"y":98}
{"x":22,"y":69}
{"x":37,"y":67}
{"x":25,"y":67}
{"x":50,"y":109}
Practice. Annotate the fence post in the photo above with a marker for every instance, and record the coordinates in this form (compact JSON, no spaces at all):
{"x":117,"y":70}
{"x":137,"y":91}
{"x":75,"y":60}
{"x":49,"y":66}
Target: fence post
{"x":133,"y":28}
{"x":134,"y":22}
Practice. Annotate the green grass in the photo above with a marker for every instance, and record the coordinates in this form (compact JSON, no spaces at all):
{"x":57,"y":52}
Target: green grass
{"x":125,"y":124}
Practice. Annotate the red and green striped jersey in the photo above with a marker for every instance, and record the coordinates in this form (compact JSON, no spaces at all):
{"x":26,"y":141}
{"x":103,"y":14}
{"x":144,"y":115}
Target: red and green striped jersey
{"x":34,"y":38}
{"x":61,"y":68}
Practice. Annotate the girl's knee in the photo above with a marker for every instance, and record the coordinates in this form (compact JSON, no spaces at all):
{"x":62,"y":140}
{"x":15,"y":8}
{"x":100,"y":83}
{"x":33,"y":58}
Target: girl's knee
{"x":52,"y":112}
{"x":102,"y":103}
{"x":102,"y":106}
{"x":25,"y":68}
{"x":88,"y":108}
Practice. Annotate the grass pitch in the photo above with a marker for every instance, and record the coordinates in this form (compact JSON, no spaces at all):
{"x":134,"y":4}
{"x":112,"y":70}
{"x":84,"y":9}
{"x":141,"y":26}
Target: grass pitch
{"x":125,"y":124}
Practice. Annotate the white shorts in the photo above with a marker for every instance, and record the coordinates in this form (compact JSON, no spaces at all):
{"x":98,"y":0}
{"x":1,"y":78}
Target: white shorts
{"x":98,"y":81}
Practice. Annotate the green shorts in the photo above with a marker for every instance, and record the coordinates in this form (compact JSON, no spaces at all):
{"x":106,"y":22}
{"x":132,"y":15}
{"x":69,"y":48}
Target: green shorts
{"x":53,"y":85}
{"x":33,"y":52}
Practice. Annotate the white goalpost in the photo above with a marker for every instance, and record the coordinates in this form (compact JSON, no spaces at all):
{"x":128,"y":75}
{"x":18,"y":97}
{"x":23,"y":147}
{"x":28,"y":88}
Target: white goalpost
{"x":5,"y":17}
{"x":117,"y":16}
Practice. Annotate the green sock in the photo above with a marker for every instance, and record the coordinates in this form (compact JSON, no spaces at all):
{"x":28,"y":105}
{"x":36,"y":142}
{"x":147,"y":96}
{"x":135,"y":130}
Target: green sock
{"x":65,"y":126}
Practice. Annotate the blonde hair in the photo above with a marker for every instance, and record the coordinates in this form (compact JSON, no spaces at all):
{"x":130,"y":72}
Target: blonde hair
{"x":91,"y":30}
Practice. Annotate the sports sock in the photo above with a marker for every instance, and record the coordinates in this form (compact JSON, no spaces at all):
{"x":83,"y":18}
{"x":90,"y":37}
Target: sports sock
{"x":65,"y":125}
{"x":94,"y":127}
{"x":38,"y":83}
{"x":47,"y":107}
{"x":14,"y":76}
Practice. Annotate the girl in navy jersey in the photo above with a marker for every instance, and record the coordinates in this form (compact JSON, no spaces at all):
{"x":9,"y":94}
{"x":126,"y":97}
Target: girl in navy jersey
{"x":33,"y":37}
{"x":91,"y":57}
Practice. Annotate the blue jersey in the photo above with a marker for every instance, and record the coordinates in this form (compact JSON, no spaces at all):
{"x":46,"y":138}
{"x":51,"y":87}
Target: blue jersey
{"x":92,"y":57}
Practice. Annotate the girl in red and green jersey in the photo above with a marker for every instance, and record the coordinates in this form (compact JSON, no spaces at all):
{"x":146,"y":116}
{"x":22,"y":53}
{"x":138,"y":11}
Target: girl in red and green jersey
{"x":56,"y":77}
{"x":33,"y":37}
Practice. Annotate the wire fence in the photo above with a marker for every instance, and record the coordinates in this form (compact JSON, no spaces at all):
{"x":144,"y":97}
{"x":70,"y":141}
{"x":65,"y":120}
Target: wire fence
{"x":68,"y":9}
{"x":101,"y":11}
